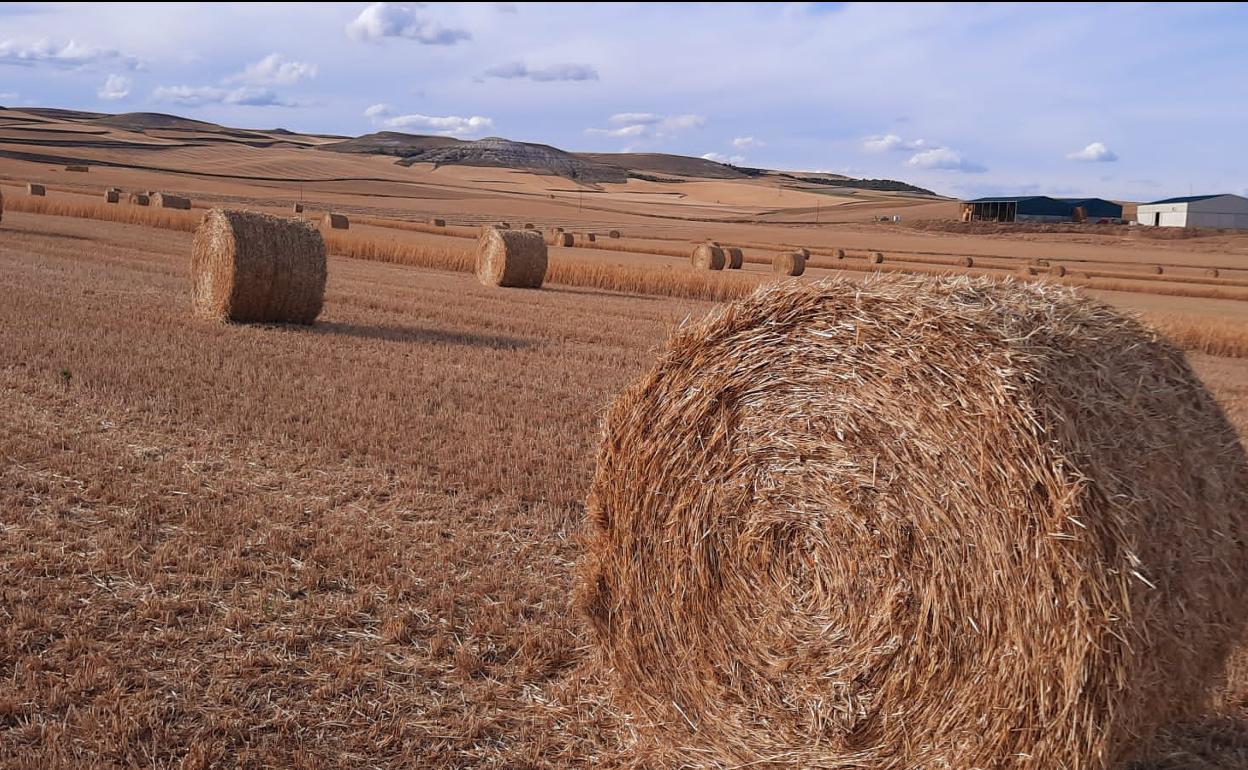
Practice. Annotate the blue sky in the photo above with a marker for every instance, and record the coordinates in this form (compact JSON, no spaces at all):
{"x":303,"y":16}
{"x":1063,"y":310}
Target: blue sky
{"x":1129,"y":101}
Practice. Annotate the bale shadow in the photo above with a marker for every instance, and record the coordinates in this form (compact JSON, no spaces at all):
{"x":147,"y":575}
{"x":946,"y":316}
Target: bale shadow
{"x":46,"y":233}
{"x":401,"y":333}
{"x":603,"y":293}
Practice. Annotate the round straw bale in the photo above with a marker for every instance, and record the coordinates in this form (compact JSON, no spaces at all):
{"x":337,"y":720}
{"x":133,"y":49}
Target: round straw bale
{"x":297,"y":208}
{"x":249,"y":267}
{"x":515,"y":258}
{"x":708,"y":257}
{"x":1057,"y":271}
{"x":564,"y":239}
{"x":139,"y":199}
{"x":436,"y":222}
{"x":734,"y":257}
{"x":716,"y":244}
{"x":112,"y":196}
{"x":915,"y":523}
{"x":38,"y":190}
{"x":839,"y":253}
{"x":805,"y":252}
{"x":336,"y":221}
{"x":591,"y":237}
{"x":790,"y":263}
{"x":167,"y":201}
{"x":614,"y":234}
{"x":558,"y":229}
{"x":1212,"y":272}
{"x":504,"y":225}
{"x":1158,"y":269}
{"x":529,"y":226}
{"x":966,"y":262}
{"x":875,"y":257}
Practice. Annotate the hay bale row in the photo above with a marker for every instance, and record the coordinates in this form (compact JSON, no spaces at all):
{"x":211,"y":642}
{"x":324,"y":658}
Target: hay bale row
{"x":78,"y":167}
{"x":335,"y":221}
{"x":707,"y":256}
{"x":168,"y":201}
{"x":512,"y":258}
{"x":791,"y":263}
{"x":36,"y":189}
{"x":112,"y":196}
{"x":139,"y":199}
{"x":914,"y":523}
{"x":253,"y":267}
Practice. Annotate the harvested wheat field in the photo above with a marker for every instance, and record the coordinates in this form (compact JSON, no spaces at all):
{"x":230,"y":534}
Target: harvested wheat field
{"x":404,"y":536}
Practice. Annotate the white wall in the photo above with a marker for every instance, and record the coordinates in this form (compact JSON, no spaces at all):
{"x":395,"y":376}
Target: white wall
{"x":1172,"y":214}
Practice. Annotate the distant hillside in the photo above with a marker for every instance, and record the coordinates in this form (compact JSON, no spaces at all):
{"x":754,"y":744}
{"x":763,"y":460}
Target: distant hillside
{"x":137,"y":121}
{"x":662,"y":163}
{"x":491,"y":152}
{"x":887,"y":185}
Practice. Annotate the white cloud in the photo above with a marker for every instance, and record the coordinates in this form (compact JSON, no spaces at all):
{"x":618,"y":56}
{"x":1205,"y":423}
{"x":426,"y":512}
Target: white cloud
{"x":1096,"y":152}
{"x":378,"y":110}
{"x":450,"y":125}
{"x":274,"y":70}
{"x":197,"y":96}
{"x":635,"y":117}
{"x":71,"y":55}
{"x":891,"y":142}
{"x":382,"y":20}
{"x":8,"y":95}
{"x":553,"y":72}
{"x":746,"y":142}
{"x":114,"y":88}
{"x":647,"y":125}
{"x":944,"y":159}
{"x":735,"y":160}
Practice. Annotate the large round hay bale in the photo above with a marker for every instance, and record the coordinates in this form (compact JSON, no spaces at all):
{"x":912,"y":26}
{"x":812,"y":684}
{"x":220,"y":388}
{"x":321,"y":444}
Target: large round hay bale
{"x":168,"y":201}
{"x":112,"y":196}
{"x":875,"y":257}
{"x":915,"y":523}
{"x":514,"y":258}
{"x":613,"y":234}
{"x":966,"y":262}
{"x":336,"y":221}
{"x":789,"y":263}
{"x":734,"y":257}
{"x":253,"y":267}
{"x":139,"y":199}
{"x":1057,"y":271}
{"x":38,"y":190}
{"x":437,"y":222}
{"x":708,"y":257}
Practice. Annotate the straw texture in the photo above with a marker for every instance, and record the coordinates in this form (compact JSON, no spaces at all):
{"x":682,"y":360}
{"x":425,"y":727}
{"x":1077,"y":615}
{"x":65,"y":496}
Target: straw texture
{"x":708,"y":257}
{"x":735,"y":258}
{"x":792,"y":263}
{"x":249,"y":267}
{"x":514,"y":258}
{"x":139,"y":199}
{"x":914,"y":524}
{"x":167,"y":201}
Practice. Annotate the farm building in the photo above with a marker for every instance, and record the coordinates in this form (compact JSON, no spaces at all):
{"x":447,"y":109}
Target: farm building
{"x":1225,"y":211}
{"x":1040,"y":208}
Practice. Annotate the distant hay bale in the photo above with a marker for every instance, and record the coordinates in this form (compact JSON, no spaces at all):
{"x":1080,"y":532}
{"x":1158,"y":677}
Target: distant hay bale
{"x":504,"y":225}
{"x":707,"y":256}
{"x":78,"y":167}
{"x":253,"y":267}
{"x":167,"y":201}
{"x":716,"y":244}
{"x":297,"y":208}
{"x":38,"y":190}
{"x":966,"y":262}
{"x":734,"y":257}
{"x":558,"y":229}
{"x":139,"y":199}
{"x":512,"y":258}
{"x":789,"y":263}
{"x":112,"y":196}
{"x":875,"y":257}
{"x":336,"y":221}
{"x":839,"y":253}
{"x":564,"y":239}
{"x":613,"y":234}
{"x":1212,"y":272}
{"x":530,"y":226}
{"x":436,"y":222}
{"x":591,"y":237}
{"x":914,"y":523}
{"x":1158,"y":270}
{"x":1057,"y":271}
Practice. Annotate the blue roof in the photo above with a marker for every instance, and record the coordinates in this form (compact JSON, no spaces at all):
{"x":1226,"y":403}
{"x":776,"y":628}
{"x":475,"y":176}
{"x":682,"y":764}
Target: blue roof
{"x":1188,"y":199}
{"x":1006,"y":199}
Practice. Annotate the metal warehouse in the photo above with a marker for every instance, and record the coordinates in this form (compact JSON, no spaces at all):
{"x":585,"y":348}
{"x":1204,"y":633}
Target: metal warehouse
{"x":1225,"y":211}
{"x":1040,"y":208}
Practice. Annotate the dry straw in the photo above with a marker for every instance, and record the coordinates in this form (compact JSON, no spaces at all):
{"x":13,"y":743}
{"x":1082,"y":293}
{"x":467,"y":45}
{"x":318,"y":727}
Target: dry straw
{"x":249,"y":267}
{"x":139,"y":199}
{"x":336,"y":221}
{"x":167,"y":201}
{"x":112,"y":196}
{"x":792,"y":263}
{"x":514,"y":258}
{"x":707,"y":256}
{"x":33,"y":188}
{"x":735,"y":258}
{"x":915,"y":523}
